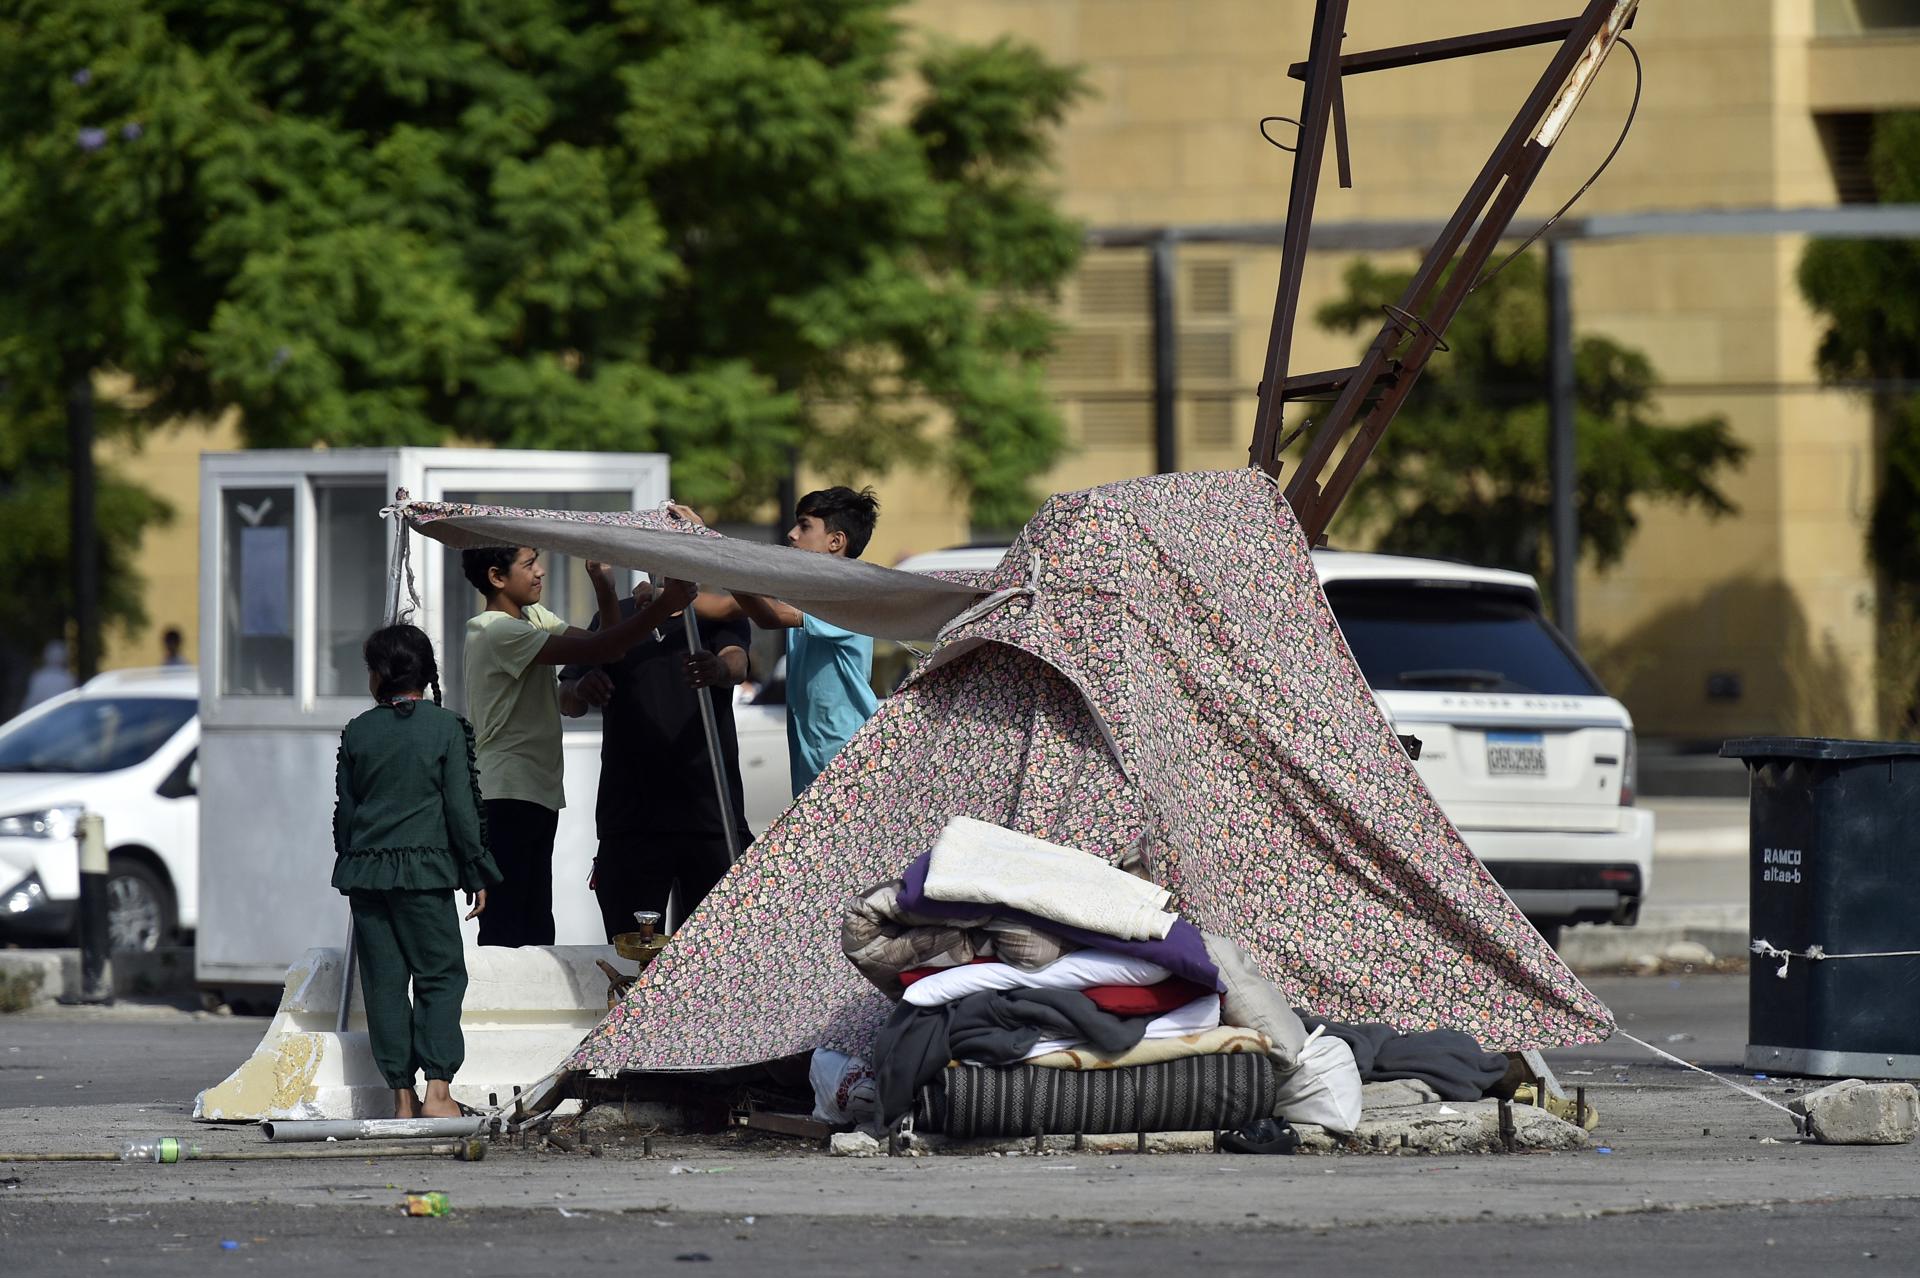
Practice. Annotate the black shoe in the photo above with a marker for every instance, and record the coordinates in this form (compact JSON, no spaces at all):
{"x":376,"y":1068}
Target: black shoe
{"x":1267,"y":1136}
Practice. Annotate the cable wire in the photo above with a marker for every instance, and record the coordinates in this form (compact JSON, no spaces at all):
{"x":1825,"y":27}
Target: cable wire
{"x":1633,"y":109}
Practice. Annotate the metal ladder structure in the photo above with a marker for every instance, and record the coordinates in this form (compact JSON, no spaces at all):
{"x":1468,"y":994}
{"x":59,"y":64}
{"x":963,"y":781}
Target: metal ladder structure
{"x":1366,"y":396}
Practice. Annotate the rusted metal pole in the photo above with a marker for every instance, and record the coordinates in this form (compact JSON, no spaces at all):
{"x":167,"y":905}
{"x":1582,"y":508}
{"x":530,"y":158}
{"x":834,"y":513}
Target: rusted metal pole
{"x":1329,"y":29}
{"x":1424,"y":51}
{"x":1427,"y":306}
{"x":1426,"y":331}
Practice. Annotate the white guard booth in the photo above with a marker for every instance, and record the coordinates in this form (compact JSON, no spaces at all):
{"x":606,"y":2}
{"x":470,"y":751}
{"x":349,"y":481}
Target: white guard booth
{"x":294,"y":571}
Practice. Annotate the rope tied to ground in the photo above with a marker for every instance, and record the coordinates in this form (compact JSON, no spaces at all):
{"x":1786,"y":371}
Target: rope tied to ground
{"x":1742,"y":1088}
{"x":1816,"y":954}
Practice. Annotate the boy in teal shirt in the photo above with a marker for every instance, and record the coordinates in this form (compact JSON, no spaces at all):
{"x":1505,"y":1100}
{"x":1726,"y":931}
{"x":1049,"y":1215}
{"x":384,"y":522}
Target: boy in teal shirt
{"x":828,"y":693}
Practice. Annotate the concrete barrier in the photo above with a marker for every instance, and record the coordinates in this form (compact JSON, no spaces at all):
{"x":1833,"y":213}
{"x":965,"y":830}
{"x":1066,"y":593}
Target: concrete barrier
{"x":37,"y":978}
{"x":525,"y":1011}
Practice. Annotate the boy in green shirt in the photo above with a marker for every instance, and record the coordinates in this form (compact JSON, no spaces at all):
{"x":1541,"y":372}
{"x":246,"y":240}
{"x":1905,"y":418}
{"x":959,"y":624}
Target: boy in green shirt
{"x":513,"y":701}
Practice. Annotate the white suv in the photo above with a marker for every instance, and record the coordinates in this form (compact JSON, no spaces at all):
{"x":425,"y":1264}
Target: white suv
{"x":123,"y":746}
{"x":1528,"y":756}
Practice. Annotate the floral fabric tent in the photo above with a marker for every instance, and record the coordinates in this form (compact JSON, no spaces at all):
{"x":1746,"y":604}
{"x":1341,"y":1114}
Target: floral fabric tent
{"x":1153,"y":672}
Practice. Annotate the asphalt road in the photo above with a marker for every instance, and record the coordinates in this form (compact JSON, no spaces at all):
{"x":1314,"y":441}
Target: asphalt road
{"x":133,"y":1056}
{"x":1835,"y":1240}
{"x":1697,"y":1180}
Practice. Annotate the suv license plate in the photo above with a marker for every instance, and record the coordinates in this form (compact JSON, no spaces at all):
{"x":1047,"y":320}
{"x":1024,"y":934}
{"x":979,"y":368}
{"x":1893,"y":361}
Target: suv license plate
{"x":1516,"y":754}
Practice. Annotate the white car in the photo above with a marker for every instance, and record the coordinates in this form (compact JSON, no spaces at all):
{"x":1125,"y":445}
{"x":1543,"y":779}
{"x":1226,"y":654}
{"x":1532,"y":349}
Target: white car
{"x":1528,"y":756}
{"x":761,"y":728}
{"x":125,"y":746}
{"x":122,"y":746}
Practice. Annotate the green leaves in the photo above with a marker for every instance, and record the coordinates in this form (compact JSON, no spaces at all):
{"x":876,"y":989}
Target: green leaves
{"x":1869,"y":293}
{"x":346,"y":336}
{"x":707,"y":226}
{"x":984,"y":102}
{"x":1463,"y":472}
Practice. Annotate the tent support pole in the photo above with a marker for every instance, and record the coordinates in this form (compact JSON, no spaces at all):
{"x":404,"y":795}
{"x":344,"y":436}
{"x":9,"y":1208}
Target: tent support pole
{"x":712,"y":726}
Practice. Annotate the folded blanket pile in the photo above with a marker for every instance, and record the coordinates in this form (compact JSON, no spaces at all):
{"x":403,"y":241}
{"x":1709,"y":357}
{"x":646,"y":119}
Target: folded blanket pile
{"x":1222,"y":1040}
{"x":974,"y":861}
{"x":1023,"y":970}
{"x":1003,"y":948}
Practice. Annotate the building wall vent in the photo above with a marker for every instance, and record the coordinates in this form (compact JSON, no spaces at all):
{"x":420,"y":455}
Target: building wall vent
{"x":1086,"y":357}
{"x":1114,"y":288}
{"x":1116,"y":423}
{"x":1211,"y":421}
{"x":1210,"y":288}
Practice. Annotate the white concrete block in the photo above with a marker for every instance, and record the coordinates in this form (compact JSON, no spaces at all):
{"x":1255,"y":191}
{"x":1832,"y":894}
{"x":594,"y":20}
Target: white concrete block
{"x":35,"y":978}
{"x":525,"y":1011}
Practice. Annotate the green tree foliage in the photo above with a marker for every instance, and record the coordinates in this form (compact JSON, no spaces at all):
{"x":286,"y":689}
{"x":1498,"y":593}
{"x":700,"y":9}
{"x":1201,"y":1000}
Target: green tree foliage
{"x":1463,"y":471}
{"x":95,"y":99}
{"x":1869,"y":292}
{"x":725,"y":229}
{"x":35,"y":540}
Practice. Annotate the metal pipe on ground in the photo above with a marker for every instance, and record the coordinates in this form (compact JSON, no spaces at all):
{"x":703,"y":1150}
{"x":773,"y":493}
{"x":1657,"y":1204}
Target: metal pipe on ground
{"x":466,"y":1151}
{"x":323,"y":1129}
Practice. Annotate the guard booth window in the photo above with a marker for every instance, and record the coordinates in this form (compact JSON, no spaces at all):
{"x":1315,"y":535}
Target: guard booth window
{"x":349,"y":587}
{"x":256,"y":639}
{"x":567,"y":591}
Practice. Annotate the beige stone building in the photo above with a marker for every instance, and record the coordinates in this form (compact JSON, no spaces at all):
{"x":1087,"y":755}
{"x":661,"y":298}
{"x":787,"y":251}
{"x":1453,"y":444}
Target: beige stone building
{"x":1760,"y":622}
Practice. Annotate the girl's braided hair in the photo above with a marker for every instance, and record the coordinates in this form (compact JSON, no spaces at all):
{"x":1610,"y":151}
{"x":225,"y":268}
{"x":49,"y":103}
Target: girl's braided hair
{"x":400,"y":659}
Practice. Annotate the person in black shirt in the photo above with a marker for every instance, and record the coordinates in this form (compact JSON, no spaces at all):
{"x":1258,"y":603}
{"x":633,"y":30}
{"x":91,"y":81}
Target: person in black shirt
{"x":658,"y":817}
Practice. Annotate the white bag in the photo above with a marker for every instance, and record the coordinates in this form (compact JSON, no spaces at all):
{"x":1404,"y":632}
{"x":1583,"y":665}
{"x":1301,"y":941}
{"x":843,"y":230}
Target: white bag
{"x":843,"y":1088}
{"x":1324,"y":1091}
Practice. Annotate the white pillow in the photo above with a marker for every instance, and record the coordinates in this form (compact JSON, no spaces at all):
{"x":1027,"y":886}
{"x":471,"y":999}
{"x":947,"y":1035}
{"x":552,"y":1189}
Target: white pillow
{"x":1325,"y":1089}
{"x":1196,"y":1017}
{"x":1082,"y":969}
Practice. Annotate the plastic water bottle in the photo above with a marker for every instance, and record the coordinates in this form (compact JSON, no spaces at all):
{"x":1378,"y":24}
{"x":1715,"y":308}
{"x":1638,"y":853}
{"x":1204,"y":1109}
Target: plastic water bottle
{"x":158,"y":1149}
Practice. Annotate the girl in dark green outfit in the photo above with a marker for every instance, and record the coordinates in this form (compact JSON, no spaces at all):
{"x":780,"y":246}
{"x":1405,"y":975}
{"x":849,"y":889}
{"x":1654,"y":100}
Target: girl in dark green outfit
{"x":407,"y":831}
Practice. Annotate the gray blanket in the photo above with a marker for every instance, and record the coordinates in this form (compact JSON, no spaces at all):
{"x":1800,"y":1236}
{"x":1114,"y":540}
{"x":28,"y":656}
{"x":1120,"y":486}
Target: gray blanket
{"x":994,"y":1027}
{"x":1450,"y":1061}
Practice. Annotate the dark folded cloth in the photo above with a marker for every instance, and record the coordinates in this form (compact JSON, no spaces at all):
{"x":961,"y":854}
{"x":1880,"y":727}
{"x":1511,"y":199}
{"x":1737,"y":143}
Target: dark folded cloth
{"x":1452,"y":1062}
{"x":1195,"y":1093}
{"x":1183,"y":951}
{"x":995,"y":1026}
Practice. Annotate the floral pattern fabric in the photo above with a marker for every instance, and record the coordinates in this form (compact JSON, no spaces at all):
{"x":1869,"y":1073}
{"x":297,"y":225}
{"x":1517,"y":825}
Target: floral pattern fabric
{"x":851,"y":593}
{"x":1162,"y":679}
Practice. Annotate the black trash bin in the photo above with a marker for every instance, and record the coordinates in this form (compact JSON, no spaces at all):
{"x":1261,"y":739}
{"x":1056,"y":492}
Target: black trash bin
{"x":1834,"y":864}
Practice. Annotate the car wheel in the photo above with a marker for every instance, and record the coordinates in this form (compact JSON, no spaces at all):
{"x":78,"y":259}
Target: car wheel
{"x":139,"y":907}
{"x":1549,"y":931}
